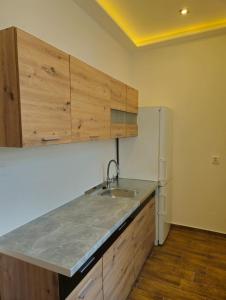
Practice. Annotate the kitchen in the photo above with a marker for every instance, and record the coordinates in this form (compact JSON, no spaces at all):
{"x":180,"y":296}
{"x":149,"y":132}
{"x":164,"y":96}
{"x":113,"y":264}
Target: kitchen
{"x":185,"y":75}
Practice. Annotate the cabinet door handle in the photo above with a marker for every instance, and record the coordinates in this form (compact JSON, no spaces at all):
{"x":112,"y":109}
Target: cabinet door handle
{"x":50,"y":138}
{"x":93,"y":136}
{"x":85,"y":289}
{"x":87,"y":265}
{"x":122,"y":226}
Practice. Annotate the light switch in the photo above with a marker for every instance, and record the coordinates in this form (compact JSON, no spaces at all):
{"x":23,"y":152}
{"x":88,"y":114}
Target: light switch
{"x":215,"y":160}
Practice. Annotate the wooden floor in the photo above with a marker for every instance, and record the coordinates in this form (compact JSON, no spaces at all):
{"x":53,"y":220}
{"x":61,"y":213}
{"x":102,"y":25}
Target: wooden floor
{"x":190,"y":266}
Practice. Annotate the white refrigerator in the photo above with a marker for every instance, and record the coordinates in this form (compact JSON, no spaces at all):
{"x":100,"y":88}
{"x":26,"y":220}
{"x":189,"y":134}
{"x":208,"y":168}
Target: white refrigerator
{"x":148,"y":157}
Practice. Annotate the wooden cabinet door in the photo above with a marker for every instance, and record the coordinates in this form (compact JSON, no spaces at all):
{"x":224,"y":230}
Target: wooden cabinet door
{"x":118,"y":95}
{"x":150,"y":228}
{"x":132,"y":110}
{"x":90,"y":287}
{"x":132,"y":100}
{"x":131,"y":130}
{"x":44,"y":92}
{"x":144,"y":234}
{"x":10,"y":128}
{"x":131,"y":124}
{"x":118,"y":274}
{"x":90,"y":102}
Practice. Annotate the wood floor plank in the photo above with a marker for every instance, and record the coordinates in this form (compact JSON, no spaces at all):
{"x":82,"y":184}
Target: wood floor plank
{"x":191,"y":265}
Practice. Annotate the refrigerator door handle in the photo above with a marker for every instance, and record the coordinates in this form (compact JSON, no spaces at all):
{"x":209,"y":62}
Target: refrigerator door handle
{"x":163,"y":210}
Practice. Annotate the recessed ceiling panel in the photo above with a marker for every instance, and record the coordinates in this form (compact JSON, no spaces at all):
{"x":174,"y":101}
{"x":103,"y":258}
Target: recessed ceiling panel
{"x":151,"y":21}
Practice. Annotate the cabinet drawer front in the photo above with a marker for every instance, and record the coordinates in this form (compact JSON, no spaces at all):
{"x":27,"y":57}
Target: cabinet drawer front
{"x":90,"y":102}
{"x":91,"y":286}
{"x":44,"y":92}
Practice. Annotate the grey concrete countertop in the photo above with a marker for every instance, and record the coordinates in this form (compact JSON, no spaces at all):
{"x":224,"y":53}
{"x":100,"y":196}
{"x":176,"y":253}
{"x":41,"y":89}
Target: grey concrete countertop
{"x":63,"y":239}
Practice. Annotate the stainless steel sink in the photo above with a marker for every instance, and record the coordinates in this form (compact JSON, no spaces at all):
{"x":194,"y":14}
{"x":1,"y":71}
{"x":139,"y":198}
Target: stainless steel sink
{"x":117,"y":192}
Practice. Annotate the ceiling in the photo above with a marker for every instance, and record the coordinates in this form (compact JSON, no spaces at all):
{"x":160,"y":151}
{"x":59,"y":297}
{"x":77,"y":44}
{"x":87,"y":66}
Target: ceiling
{"x":148,"y":22}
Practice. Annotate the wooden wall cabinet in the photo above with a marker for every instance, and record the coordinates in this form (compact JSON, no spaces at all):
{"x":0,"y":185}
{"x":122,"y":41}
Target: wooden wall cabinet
{"x":132,"y":112}
{"x":118,"y":108}
{"x":118,"y":95}
{"x":49,"y":97}
{"x":131,"y":100}
{"x":34,"y":91}
{"x":131,"y":124}
{"x":124,"y":110}
{"x":90,"y":102}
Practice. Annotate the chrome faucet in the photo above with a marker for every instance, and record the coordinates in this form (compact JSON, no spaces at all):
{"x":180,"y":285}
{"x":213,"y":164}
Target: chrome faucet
{"x":114,"y":178}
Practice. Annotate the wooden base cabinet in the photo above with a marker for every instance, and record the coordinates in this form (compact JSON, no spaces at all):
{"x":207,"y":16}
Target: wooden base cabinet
{"x":111,"y":277}
{"x":143,"y":235}
{"x":124,"y":259}
{"x":91,"y":287}
{"x":118,"y":275}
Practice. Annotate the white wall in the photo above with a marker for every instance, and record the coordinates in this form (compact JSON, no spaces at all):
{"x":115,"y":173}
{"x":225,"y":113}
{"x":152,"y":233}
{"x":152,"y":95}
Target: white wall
{"x":66,"y":26}
{"x":34,"y":181}
{"x":189,"y":77}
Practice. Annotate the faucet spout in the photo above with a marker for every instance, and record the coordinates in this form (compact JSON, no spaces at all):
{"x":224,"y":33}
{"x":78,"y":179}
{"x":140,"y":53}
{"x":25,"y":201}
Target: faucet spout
{"x":109,"y":180}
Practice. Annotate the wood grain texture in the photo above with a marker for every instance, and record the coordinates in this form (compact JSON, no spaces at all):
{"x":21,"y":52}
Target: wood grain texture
{"x":118,"y":270}
{"x":23,"y":281}
{"x":10,"y":126}
{"x":118,"y":94}
{"x":91,"y":287}
{"x":190,"y":266}
{"x":44,"y":92}
{"x":131,"y":100}
{"x":131,"y":130}
{"x":118,"y":130}
{"x":90,"y":102}
{"x":144,"y":235}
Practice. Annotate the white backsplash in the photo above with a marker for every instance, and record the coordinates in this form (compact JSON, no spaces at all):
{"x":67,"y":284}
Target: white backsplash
{"x":36,"y":180}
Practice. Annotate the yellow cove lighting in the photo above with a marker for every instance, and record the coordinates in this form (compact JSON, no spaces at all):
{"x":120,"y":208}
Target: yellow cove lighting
{"x":139,"y":41}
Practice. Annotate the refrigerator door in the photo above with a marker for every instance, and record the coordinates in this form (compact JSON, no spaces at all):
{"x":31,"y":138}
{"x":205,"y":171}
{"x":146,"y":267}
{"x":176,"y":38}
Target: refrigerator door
{"x":139,"y":157}
{"x":164,"y":212}
{"x":165,"y":146}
